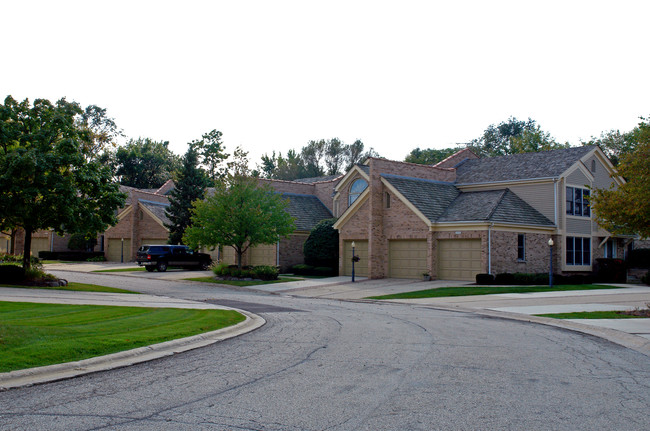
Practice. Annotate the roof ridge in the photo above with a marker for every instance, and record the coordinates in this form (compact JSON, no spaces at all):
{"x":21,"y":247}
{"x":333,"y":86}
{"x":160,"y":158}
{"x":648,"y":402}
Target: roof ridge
{"x":427,"y":180}
{"x":494,"y":209}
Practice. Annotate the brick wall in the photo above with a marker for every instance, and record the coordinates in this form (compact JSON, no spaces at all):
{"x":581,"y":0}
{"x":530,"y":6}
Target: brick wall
{"x":456,"y":158}
{"x":504,"y":253}
{"x":291,"y":250}
{"x":383,"y":166}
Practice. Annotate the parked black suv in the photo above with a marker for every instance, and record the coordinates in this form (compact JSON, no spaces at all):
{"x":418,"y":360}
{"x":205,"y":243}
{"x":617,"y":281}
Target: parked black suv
{"x":161,"y":257}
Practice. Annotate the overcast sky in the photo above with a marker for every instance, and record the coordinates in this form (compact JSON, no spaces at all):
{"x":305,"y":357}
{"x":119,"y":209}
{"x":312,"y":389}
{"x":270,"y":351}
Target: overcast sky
{"x":271,"y":75}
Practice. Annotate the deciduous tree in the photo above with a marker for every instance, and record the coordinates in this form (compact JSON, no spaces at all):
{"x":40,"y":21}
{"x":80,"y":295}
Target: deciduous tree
{"x":48,"y":179}
{"x":429,"y":156}
{"x":145,"y":164}
{"x":626,"y":209}
{"x":241,"y":214}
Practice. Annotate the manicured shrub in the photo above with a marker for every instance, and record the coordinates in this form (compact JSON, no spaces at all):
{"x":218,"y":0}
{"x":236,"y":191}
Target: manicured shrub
{"x":96,"y":259}
{"x":484,"y":279}
{"x":638,"y":258}
{"x":266,"y":272}
{"x":324,"y":271}
{"x":504,"y":278}
{"x":302,"y":269}
{"x":11,"y":273}
{"x":322,"y":245}
{"x":646,"y":278}
{"x":610,"y":270}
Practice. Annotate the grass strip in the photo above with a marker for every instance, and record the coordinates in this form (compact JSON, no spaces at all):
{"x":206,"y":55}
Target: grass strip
{"x":139,"y":268}
{"x":592,"y":315}
{"x":242,"y":283}
{"x":82,"y":287}
{"x":33,"y":335}
{"x":488,"y":290}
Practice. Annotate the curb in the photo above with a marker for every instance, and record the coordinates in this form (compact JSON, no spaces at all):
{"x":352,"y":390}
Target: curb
{"x":51,"y":373}
{"x":630,"y":341}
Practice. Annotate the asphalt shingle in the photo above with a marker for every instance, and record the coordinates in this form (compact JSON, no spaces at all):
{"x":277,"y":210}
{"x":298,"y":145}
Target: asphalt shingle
{"x":545,"y":164}
{"x":307,"y":210}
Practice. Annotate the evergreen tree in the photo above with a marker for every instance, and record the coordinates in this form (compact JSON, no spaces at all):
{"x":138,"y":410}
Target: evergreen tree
{"x":191,"y":185}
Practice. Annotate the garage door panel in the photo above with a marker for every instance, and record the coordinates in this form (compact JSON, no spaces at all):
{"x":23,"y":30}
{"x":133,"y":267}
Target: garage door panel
{"x":459,"y":259}
{"x":407,"y":258}
{"x":263,"y":255}
{"x":114,"y":250}
{"x":361,"y":250}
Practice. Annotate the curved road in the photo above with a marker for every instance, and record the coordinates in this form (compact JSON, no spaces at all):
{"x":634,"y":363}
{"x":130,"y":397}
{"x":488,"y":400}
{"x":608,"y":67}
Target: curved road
{"x":330,"y":365}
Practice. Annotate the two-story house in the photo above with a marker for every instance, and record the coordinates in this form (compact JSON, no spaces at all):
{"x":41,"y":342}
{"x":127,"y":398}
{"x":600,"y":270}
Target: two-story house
{"x":468,"y":215}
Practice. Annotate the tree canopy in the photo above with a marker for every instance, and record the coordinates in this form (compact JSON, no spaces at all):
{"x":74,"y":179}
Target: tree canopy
{"x":317,"y":158}
{"x":49,"y":178}
{"x":429,"y":156}
{"x":511,"y":137}
{"x":145,"y":164}
{"x":615,"y":144}
{"x":191,"y":184}
{"x":212,"y":153}
{"x":241,"y":214}
{"x":626,"y":209}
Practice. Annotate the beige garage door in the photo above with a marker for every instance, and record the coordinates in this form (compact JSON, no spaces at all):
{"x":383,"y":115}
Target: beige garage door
{"x":229,"y":256}
{"x":5,"y":244}
{"x":361,"y":250}
{"x":40,"y":244}
{"x":114,"y":250}
{"x":153,"y":241}
{"x":263,"y":255}
{"x":407,"y":258}
{"x":459,"y":259}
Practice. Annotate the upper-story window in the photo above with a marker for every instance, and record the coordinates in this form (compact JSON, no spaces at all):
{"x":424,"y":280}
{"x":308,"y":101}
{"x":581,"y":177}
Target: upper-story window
{"x":357,"y":187}
{"x":577,"y":202}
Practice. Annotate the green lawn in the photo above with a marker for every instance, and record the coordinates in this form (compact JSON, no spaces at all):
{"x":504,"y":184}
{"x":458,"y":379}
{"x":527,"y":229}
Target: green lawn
{"x":488,"y":290}
{"x":592,"y":315}
{"x":84,"y":287}
{"x":242,"y":282}
{"x":139,"y":268}
{"x":34,"y":335}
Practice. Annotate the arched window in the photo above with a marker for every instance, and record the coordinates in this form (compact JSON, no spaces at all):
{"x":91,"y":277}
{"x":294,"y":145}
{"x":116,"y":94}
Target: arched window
{"x":357,"y":187}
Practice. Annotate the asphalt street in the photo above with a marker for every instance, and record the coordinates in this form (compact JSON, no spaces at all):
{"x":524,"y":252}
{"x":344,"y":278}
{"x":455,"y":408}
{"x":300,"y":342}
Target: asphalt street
{"x":326,"y":364}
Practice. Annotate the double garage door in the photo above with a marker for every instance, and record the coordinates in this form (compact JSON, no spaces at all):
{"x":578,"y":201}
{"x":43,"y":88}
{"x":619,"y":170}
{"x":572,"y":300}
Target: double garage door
{"x":459,"y":259}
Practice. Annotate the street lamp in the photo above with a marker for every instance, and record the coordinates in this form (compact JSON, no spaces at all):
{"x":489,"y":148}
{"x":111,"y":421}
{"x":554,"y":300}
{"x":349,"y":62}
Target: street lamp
{"x":122,"y":252}
{"x":353,"y":256}
{"x":550,"y":271}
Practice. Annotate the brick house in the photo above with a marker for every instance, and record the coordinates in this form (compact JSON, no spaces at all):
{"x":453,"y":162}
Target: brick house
{"x":468,"y":215}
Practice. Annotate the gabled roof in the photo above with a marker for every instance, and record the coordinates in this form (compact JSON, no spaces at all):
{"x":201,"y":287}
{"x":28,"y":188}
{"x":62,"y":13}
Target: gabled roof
{"x":430,"y":197}
{"x":322,"y":179}
{"x":544,"y":164}
{"x":158,"y":209}
{"x":495,"y":206}
{"x":307,"y":210}
{"x":442,"y":202}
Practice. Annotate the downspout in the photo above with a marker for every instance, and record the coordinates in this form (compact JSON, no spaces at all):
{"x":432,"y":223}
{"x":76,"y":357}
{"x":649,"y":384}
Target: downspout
{"x":490,"y":248}
{"x":555,"y":201}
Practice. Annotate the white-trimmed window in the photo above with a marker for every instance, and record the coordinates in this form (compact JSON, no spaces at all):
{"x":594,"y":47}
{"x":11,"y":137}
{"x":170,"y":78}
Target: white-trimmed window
{"x":610,"y":249}
{"x":578,"y":251}
{"x":521,"y":247}
{"x":357,"y":187}
{"x":577,"y":201}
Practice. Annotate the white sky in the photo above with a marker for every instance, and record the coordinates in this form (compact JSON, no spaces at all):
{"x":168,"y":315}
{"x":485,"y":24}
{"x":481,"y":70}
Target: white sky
{"x":271,"y":75}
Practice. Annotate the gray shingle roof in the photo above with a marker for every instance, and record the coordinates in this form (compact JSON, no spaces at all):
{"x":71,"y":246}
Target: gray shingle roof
{"x":443,"y":202}
{"x":493,"y":205}
{"x":430,"y":197}
{"x":544,"y":164}
{"x":157,"y":208}
{"x":307,"y":210}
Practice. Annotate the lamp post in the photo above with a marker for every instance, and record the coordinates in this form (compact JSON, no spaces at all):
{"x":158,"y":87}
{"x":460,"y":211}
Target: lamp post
{"x":550,"y":270}
{"x":122,"y":252}
{"x":353,"y":261}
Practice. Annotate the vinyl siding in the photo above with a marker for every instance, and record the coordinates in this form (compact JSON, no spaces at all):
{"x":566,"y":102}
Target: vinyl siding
{"x":577,"y":178}
{"x":575,"y":225}
{"x":538,"y":196}
{"x":602,"y":179}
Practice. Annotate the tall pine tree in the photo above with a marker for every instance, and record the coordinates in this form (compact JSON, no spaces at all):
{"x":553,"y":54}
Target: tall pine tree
{"x":191,"y":185}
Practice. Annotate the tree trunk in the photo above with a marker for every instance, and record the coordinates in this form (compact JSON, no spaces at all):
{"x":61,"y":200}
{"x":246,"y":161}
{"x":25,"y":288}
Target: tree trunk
{"x":240,"y":252}
{"x":13,"y":242}
{"x":27,"y":250}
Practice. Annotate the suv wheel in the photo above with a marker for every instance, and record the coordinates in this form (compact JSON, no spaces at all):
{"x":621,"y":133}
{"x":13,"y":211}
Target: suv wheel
{"x":162,"y":266}
{"x":205,"y":265}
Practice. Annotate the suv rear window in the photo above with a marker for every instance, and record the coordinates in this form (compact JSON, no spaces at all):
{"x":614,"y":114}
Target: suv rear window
{"x":154,"y":248}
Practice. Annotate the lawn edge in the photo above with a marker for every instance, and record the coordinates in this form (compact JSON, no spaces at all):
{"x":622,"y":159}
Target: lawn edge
{"x":51,"y":373}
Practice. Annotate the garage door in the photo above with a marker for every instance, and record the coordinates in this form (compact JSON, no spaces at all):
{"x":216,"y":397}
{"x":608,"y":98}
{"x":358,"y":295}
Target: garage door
{"x":263,"y":255}
{"x":407,"y":258}
{"x":114,"y":250}
{"x":5,"y":244}
{"x":361,"y":250}
{"x":229,"y":256}
{"x":459,"y":259}
{"x":40,"y":244}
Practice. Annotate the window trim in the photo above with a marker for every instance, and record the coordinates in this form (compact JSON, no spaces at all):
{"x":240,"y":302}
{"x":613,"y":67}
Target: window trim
{"x":521,"y":247}
{"x":571,"y":251}
{"x":577,"y":201}
{"x":355,"y":194}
